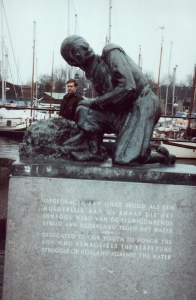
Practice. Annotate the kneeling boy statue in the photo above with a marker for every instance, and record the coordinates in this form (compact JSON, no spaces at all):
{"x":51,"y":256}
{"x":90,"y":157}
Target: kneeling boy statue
{"x":125,"y":105}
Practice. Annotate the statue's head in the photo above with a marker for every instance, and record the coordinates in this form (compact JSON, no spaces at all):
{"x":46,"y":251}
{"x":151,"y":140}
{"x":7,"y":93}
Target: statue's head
{"x":76,"y":51}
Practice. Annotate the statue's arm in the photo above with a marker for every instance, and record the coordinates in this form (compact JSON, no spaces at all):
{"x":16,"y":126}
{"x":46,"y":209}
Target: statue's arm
{"x":123,"y":79}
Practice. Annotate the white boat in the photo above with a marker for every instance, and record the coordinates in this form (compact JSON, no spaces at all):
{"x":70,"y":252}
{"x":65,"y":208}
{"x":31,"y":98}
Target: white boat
{"x":163,"y":127}
{"x":181,"y":149}
{"x":14,"y":120}
{"x":164,"y":122}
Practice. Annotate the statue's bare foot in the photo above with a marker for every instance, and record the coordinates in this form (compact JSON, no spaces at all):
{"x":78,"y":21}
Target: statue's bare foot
{"x":159,"y":157}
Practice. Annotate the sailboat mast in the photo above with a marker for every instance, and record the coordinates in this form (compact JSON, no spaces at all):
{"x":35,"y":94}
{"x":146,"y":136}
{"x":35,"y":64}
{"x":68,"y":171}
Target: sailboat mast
{"x":75,"y":23}
{"x":68,"y":33}
{"x":168,"y":80}
{"x":33,"y":70}
{"x":158,"y":83}
{"x":68,"y":19}
{"x":192,"y":97}
{"x":5,"y":72}
{"x":51,"y":85}
{"x":2,"y":61}
{"x":174,"y":85}
{"x":110,"y":26}
{"x":139,"y":61}
{"x":2,"y":73}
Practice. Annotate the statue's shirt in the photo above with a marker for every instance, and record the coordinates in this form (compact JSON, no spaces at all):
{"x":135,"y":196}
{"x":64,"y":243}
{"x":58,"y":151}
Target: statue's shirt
{"x":101,"y":76}
{"x":116,"y":78}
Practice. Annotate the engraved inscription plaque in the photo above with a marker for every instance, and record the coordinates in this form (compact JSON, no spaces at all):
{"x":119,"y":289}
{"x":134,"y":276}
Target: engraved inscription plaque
{"x":88,"y":239}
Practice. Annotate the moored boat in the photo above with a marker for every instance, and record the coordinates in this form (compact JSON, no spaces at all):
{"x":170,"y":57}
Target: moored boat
{"x":14,"y":120}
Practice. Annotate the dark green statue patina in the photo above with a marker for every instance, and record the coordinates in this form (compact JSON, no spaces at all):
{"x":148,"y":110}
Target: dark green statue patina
{"x":125,"y":105}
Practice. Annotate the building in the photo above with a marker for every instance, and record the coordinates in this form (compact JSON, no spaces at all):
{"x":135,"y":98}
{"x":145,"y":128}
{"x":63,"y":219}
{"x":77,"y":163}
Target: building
{"x":15,"y":93}
{"x":54,"y":99}
{"x":182,"y":99}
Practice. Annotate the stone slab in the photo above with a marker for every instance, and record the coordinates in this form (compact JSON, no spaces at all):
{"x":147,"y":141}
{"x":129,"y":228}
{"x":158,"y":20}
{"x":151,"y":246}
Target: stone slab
{"x":154,"y":173}
{"x":84,"y":239}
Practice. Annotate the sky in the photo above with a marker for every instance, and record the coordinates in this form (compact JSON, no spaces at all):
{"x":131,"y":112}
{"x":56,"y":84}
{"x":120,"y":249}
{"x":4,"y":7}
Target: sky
{"x":134,"y":24}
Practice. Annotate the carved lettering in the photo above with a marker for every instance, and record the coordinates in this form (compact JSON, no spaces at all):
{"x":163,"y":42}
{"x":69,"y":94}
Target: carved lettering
{"x":132,"y":230}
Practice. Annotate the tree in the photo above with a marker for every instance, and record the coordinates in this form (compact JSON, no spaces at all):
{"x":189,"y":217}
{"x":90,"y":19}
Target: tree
{"x":44,"y":84}
{"x":151,"y":81}
{"x":59,"y":81}
{"x":189,"y":80}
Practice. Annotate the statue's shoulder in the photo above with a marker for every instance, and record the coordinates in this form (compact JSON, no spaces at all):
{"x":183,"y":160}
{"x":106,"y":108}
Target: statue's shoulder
{"x":110,"y":47}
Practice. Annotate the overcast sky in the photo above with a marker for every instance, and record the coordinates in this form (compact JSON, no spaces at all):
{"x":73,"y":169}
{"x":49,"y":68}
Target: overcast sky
{"x":134,"y":23}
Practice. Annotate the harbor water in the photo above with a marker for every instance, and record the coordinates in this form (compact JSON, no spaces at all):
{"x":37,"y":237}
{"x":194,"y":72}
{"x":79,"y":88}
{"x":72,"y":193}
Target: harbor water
{"x":9,"y":148}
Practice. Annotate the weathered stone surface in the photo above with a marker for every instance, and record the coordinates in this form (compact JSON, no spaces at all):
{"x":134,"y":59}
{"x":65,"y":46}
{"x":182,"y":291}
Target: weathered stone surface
{"x":82,"y":239}
{"x":45,"y":139}
{"x":55,"y":138}
{"x":154,"y":173}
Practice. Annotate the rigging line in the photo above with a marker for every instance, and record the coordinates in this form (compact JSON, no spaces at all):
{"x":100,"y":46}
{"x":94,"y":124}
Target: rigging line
{"x":12,"y":80}
{"x":36,"y":52}
{"x":11,"y":44}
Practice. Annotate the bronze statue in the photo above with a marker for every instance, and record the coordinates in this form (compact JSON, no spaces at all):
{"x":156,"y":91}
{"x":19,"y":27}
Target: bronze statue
{"x":125,"y":105}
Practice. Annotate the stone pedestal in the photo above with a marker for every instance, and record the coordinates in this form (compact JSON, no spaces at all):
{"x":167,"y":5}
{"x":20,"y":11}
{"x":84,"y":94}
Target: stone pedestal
{"x":97,"y":232}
